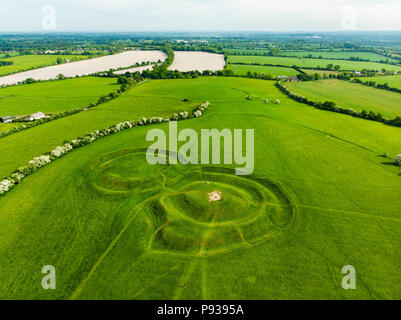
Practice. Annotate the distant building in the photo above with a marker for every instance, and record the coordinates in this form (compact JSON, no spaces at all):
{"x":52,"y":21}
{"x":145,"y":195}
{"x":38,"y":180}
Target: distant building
{"x":7,"y":119}
{"x":34,"y":116}
{"x":293,"y":79}
{"x":289,"y":79}
{"x":357,"y":73}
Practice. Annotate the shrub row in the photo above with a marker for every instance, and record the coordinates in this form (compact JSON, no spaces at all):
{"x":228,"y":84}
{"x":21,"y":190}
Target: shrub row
{"x":331,"y":106}
{"x":38,"y":162}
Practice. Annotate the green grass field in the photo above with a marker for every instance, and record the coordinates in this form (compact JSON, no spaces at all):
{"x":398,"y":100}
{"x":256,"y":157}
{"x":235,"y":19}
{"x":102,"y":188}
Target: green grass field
{"x":321,"y":197}
{"x":350,"y":95}
{"x":27,"y":62}
{"x":338,"y":55}
{"x":313,"y":63}
{"x":274,"y":71}
{"x":321,"y":72}
{"x":132,"y":105}
{"x":247,"y":51}
{"x":393,"y":81}
{"x":54,"y":96}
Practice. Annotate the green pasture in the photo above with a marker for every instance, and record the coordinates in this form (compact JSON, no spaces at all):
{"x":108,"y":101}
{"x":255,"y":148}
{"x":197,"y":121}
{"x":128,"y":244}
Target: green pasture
{"x":132,"y":105}
{"x":338,"y":55}
{"x":274,"y":71}
{"x":350,"y":96}
{"x":392,"y":81}
{"x":321,"y":197}
{"x":54,"y":96}
{"x":320,"y":72}
{"x":239,"y":51}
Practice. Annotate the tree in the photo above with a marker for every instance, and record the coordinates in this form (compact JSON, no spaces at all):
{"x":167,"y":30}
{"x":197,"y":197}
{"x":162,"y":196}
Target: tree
{"x":330,"y":105}
{"x":122,"y":80}
{"x":59,"y":60}
{"x":397,"y":160}
{"x":337,"y":67}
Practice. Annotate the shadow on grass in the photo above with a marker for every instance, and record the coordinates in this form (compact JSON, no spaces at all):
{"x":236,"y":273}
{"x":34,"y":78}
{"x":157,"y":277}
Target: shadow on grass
{"x":387,"y":163}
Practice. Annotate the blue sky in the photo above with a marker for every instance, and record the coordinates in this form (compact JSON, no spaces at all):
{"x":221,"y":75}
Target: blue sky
{"x":201,"y":15}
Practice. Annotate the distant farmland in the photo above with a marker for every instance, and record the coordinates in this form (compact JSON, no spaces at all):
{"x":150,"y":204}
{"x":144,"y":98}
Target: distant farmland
{"x":120,"y":60}
{"x":350,"y":95}
{"x":26,"y":62}
{"x":239,"y":69}
{"x":338,"y":55}
{"x":320,"y":72}
{"x":194,"y":60}
{"x":312,"y":63}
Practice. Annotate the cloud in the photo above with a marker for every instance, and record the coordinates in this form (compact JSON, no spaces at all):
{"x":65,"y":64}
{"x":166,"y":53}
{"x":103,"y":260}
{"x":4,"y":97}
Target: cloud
{"x":189,"y":15}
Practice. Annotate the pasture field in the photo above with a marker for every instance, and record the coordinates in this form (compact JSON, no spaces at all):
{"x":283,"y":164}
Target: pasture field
{"x":393,"y":81}
{"x":8,"y":126}
{"x":321,"y":72}
{"x":22,"y":63}
{"x":350,"y":95}
{"x":374,"y":57}
{"x":321,"y":197}
{"x":132,"y":105}
{"x":54,"y":96}
{"x":313,"y":63}
{"x":239,"y":69}
{"x":247,"y":51}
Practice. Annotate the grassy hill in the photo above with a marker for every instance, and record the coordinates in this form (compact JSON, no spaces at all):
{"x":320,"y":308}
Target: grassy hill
{"x":115,"y":227}
{"x":350,"y":95}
